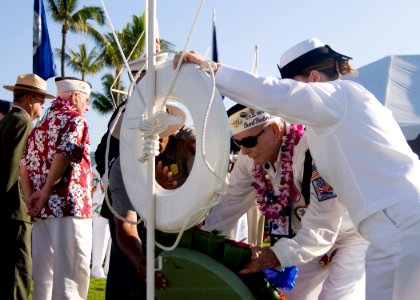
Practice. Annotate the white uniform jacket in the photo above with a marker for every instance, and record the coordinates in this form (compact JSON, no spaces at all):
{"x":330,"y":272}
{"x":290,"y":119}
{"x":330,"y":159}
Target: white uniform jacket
{"x":325,"y":224}
{"x":357,"y":145}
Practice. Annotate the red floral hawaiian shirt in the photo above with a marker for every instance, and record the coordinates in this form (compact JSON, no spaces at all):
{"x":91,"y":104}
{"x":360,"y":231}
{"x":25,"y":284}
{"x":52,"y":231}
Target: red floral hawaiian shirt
{"x":62,"y":130}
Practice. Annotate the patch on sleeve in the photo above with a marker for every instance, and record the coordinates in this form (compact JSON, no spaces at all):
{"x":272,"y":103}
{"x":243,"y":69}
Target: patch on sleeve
{"x":322,"y":189}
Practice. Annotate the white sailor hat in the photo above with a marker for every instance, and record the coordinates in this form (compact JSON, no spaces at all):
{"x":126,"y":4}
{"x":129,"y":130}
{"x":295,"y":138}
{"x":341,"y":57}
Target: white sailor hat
{"x":242,"y":118}
{"x":70,"y":84}
{"x":304,"y":55}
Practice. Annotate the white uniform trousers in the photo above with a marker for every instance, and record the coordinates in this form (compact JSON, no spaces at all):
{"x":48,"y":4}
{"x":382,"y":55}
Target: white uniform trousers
{"x":61,"y":249}
{"x":101,"y":246}
{"x":342,"y":279}
{"x":393,"y":257}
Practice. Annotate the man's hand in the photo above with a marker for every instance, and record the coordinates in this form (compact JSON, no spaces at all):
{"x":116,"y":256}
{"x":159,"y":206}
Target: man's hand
{"x":261,"y":259}
{"x":189,"y":57}
{"x":164,"y":177}
{"x":37,"y":202}
{"x":160,"y":281}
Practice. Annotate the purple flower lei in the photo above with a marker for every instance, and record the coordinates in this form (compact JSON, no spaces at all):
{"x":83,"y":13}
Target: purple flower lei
{"x":272,"y":208}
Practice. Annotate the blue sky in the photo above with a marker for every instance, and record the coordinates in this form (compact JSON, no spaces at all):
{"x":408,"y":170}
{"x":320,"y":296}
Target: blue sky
{"x":365,"y":30}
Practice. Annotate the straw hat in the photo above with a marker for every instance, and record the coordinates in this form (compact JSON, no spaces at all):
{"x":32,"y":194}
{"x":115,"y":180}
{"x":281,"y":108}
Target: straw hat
{"x":171,"y":109}
{"x":174,"y":111}
{"x":31,"y":83}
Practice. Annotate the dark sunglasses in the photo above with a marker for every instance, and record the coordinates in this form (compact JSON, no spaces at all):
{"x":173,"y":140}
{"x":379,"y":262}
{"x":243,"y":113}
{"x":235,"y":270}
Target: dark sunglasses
{"x":249,"y":141}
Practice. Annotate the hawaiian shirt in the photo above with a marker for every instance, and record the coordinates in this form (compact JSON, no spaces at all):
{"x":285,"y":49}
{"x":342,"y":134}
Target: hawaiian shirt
{"x":62,"y":130}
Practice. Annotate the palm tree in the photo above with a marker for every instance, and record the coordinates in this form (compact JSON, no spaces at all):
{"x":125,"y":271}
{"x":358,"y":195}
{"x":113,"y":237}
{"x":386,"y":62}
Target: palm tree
{"x":132,"y":41}
{"x":64,"y":12}
{"x":103,"y":103}
{"x":84,"y":62}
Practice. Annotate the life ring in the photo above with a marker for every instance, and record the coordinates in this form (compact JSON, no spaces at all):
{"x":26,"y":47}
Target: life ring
{"x":180,"y":208}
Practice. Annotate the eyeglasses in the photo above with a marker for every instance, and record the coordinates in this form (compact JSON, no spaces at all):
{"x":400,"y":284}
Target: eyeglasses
{"x":38,"y":98}
{"x":249,"y":141}
{"x":87,"y":99}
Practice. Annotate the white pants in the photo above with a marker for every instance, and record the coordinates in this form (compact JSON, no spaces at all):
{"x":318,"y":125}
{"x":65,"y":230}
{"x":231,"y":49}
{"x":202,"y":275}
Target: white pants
{"x":342,"y":279}
{"x":101,"y":245}
{"x":61,"y":250}
{"x":239,"y":232}
{"x":393,"y":257}
{"x":255,"y":226}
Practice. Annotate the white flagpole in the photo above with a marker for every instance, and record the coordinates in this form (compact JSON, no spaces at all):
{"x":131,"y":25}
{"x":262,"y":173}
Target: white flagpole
{"x":151,"y":90}
{"x":254,"y":68}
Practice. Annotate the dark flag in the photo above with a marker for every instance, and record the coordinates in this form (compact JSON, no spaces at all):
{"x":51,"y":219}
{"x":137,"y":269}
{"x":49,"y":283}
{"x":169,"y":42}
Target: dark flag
{"x":43,"y":59}
{"x":215,"y":52}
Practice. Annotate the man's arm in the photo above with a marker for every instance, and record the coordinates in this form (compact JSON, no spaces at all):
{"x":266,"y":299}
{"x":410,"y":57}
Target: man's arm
{"x":130,"y":243}
{"x":38,"y":199}
{"x":236,"y":201}
{"x":26,"y":184}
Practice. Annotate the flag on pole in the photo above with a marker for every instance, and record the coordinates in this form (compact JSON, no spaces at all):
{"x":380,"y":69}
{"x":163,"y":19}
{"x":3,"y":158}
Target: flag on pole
{"x":43,"y":59}
{"x":215,"y":52}
{"x":254,"y":68}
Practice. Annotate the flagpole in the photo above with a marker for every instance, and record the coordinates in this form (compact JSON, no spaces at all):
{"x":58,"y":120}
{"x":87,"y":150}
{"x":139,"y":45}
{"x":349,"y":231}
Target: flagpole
{"x":151,"y":194}
{"x":254,"y":67}
{"x":215,"y":51}
{"x":43,"y":58}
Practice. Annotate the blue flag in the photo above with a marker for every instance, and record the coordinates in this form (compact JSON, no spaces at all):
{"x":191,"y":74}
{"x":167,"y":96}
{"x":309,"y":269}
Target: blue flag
{"x":43,"y":59}
{"x":215,"y":52}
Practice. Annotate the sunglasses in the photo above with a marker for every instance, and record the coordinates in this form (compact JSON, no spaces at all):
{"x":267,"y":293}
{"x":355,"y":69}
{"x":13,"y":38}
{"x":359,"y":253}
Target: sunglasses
{"x":249,"y":141}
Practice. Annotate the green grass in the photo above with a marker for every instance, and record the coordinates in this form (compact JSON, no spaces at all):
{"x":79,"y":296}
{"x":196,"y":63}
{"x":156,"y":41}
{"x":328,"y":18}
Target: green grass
{"x":96,"y":289}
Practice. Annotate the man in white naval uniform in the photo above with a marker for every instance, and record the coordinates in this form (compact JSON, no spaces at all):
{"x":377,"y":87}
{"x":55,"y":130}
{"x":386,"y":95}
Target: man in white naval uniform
{"x":325,"y":227}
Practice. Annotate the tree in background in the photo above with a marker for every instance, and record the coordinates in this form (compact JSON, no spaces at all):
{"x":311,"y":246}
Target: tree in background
{"x":102,"y":102}
{"x":66,"y":13}
{"x":84,"y":62}
{"x":132,"y":41}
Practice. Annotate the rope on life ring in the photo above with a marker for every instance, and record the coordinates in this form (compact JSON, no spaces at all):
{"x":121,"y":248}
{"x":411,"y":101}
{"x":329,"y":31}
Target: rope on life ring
{"x":183,"y":207}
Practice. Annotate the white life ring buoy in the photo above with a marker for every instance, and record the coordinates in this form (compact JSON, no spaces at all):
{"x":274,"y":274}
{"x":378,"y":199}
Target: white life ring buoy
{"x":180,"y":208}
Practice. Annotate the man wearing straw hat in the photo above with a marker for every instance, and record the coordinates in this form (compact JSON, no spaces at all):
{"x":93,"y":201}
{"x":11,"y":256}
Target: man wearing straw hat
{"x":57,"y":174}
{"x":29,"y":95}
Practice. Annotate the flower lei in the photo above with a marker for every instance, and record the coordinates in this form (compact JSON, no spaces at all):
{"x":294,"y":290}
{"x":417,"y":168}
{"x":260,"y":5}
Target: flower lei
{"x":272,"y":206}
